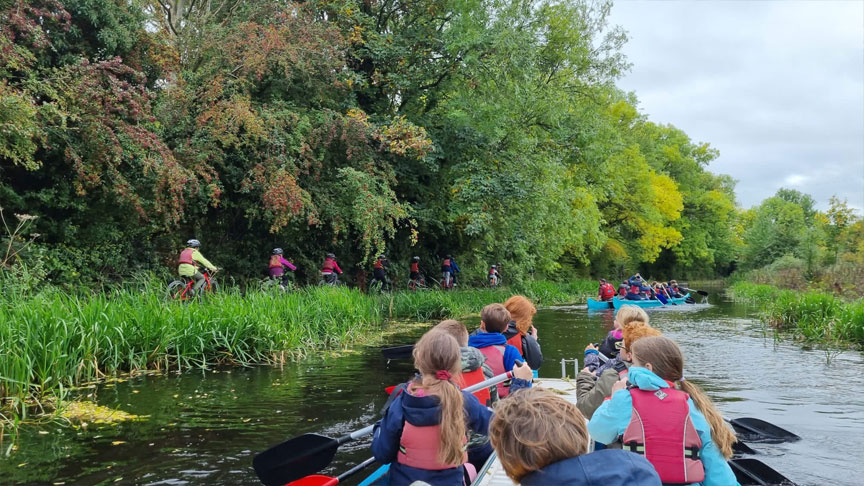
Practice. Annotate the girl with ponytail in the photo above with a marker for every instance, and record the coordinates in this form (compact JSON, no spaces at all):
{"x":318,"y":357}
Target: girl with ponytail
{"x":656,"y":412}
{"x":423,"y":434}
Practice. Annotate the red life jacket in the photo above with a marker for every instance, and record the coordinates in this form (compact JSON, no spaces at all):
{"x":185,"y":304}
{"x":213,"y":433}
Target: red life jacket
{"x":415,"y":268}
{"x":492,"y":271}
{"x":275,"y":262}
{"x":661,"y":429}
{"x":607,"y":291}
{"x":472,"y":378}
{"x":622,"y":292}
{"x":446,"y":263}
{"x":328,"y":265}
{"x":516,"y":342}
{"x":495,"y":359}
{"x":635,"y":289}
{"x":418,"y":447}
{"x":186,"y":257}
{"x":378,"y":265}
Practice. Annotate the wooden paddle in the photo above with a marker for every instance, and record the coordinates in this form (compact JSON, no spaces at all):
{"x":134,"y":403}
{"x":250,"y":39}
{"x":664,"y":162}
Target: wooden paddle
{"x":309,"y":453}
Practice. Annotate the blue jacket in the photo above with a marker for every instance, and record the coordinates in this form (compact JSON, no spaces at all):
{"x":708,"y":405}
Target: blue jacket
{"x":612,"y":418}
{"x":609,"y":467}
{"x":424,"y":411}
{"x":484,"y":339}
{"x":453,"y":267}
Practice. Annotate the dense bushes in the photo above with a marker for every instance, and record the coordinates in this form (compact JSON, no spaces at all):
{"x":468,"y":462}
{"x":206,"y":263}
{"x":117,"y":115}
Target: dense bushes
{"x":811,"y":316}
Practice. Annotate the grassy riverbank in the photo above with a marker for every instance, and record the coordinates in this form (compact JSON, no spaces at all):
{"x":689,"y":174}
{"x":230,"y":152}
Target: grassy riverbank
{"x":814,"y":317}
{"x":54,"y":341}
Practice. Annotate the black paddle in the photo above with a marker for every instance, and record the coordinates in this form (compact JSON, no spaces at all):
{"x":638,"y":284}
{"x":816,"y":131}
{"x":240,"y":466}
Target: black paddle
{"x":399,"y":352}
{"x":752,"y":471}
{"x":309,"y":453}
{"x":756,"y":430}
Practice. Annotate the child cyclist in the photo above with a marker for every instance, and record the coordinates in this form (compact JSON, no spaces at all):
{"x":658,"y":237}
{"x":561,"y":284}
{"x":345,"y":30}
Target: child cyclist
{"x":187,"y":264}
{"x":541,"y":440}
{"x":449,"y":269}
{"x":414,"y":277}
{"x":277,"y":266}
{"x":669,"y":420}
{"x":329,"y":269}
{"x":423,"y":433}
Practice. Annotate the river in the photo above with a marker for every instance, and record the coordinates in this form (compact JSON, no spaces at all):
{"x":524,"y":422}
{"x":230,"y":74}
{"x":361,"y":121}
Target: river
{"x":203,"y":427}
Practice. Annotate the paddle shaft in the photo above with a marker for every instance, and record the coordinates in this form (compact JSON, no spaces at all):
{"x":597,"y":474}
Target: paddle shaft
{"x":354,"y":470}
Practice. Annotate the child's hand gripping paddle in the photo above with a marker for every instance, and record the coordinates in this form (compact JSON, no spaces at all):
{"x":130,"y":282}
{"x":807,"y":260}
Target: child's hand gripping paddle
{"x":309,"y":453}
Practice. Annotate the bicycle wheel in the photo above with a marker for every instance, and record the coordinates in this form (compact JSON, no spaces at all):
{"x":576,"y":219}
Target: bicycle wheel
{"x":271,"y":285}
{"x":177,"y":291}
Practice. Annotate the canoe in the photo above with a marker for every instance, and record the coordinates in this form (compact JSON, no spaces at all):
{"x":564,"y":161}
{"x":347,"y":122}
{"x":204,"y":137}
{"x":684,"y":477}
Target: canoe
{"x":599,"y":304}
{"x":618,"y":302}
{"x":492,"y":474}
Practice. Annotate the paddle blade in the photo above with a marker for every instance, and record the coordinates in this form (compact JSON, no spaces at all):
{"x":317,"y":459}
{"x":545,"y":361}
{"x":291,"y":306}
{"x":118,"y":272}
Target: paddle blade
{"x":315,"y":480}
{"x":294,"y":459}
{"x":753,"y":429}
{"x":399,"y":352}
{"x":754,"y":471}
{"x":739,"y":448}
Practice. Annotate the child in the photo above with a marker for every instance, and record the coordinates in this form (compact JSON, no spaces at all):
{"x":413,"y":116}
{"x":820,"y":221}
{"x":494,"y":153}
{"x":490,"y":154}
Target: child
{"x":277,"y":266}
{"x":592,"y":387}
{"x":521,"y":333}
{"x":551,"y":446}
{"x":474,"y":370}
{"x":474,"y":367}
{"x":422,"y":435}
{"x":626,"y":314}
{"x":330,"y":268}
{"x":668,"y":419}
{"x":499,"y":355}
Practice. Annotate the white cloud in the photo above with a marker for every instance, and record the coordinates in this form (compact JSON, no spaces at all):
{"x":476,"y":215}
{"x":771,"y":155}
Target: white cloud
{"x":777,"y":87}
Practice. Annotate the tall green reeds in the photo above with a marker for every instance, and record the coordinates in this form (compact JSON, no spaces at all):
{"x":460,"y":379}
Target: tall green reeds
{"x":814,"y":317}
{"x":53,"y":341}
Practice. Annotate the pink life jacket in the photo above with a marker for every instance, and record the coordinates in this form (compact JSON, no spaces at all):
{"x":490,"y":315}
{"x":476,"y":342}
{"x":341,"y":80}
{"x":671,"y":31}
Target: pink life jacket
{"x":661,"y":429}
{"x":495,"y":359}
{"x":418,"y":447}
{"x":275,"y":261}
{"x":329,"y":265}
{"x":186,"y":257}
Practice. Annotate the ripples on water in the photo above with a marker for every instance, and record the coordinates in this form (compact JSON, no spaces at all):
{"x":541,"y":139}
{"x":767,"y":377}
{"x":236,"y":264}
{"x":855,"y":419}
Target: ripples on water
{"x":204,"y":427}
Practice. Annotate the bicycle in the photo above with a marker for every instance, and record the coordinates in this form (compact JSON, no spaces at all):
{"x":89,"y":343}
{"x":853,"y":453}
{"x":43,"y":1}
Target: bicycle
{"x":494,"y":280}
{"x":330,"y":279}
{"x":379,"y":286}
{"x":448,"y":280}
{"x":184,"y":291}
{"x":417,"y":284}
{"x":273,"y":284}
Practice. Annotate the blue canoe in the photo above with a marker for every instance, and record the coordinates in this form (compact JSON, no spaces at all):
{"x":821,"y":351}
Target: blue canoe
{"x":618,"y":302}
{"x":599,"y":304}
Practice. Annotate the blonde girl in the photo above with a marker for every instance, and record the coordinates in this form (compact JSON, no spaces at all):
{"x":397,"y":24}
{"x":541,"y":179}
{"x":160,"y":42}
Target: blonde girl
{"x":423,"y":433}
{"x":659,"y":392}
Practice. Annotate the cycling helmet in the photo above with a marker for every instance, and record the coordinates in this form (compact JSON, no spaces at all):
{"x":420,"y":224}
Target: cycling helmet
{"x":382,"y":257}
{"x":415,"y":259}
{"x":277,"y":251}
{"x":330,"y":255}
{"x":449,"y":257}
{"x":193,"y":243}
{"x":494,"y":266}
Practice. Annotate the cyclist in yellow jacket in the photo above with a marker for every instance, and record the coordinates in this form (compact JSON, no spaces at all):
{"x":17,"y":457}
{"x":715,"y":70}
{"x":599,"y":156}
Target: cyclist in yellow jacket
{"x":188,"y":263}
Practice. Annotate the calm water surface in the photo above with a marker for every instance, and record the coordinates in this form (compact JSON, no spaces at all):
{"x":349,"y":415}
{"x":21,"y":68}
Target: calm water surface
{"x":202,"y":428}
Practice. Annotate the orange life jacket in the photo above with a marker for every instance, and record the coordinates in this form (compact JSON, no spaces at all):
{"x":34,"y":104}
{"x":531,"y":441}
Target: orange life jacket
{"x":275,"y":262}
{"x":472,"y":378}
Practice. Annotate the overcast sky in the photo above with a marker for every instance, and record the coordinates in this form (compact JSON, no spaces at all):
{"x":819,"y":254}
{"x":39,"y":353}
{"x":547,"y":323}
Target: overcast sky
{"x":776,"y":86}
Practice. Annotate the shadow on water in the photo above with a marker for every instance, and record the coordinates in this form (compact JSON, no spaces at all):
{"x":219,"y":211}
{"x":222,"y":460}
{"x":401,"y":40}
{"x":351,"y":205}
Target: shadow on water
{"x":204,"y":427}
